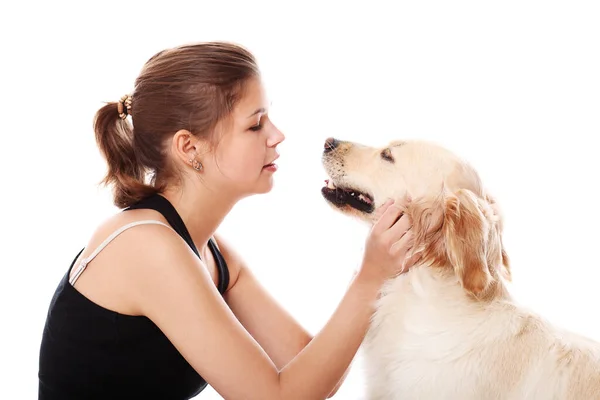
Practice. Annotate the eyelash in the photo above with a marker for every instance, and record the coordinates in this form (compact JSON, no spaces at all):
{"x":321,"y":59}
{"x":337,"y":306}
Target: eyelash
{"x":256,"y":128}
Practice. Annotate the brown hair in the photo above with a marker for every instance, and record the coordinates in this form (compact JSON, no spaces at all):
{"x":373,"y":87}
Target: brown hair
{"x":190,"y":87}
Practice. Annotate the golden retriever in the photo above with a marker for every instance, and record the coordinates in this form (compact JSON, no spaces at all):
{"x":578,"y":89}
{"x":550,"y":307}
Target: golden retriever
{"x":449,"y":328}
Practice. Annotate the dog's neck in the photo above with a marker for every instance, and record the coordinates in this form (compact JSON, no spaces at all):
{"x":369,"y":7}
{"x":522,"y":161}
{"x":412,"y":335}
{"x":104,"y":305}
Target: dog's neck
{"x":437,"y":292}
{"x":427,"y":309}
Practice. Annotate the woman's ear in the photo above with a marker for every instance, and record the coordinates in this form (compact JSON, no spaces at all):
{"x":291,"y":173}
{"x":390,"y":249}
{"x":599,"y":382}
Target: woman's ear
{"x":184,"y":146}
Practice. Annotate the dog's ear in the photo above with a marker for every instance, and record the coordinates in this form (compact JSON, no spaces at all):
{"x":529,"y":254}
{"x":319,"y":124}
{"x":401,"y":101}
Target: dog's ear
{"x":427,"y":218}
{"x":472,"y":240}
{"x":497,"y":231}
{"x":464,"y":231}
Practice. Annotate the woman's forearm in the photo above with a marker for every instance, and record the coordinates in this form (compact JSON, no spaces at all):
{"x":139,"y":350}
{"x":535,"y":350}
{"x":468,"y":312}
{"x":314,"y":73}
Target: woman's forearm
{"x":315,"y":371}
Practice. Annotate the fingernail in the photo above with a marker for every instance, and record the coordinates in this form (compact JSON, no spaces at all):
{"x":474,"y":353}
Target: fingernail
{"x":387,"y":203}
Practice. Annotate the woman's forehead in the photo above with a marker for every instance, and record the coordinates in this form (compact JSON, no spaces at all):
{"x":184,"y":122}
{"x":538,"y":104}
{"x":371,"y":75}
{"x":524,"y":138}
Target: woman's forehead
{"x":253,"y":103}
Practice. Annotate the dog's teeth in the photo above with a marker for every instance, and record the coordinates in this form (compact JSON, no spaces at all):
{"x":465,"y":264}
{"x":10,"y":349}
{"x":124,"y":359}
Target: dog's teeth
{"x":364,"y":198}
{"x":330,"y":185}
{"x":352,"y":194}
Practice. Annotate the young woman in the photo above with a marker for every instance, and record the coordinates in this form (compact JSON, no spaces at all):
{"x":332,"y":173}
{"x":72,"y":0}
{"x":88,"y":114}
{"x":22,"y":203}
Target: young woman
{"x":157,"y":305}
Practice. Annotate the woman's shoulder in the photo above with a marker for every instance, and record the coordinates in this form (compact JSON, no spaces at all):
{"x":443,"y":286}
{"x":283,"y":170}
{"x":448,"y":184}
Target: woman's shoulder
{"x":122,"y":248}
{"x":125,"y":217}
{"x":118,"y":225}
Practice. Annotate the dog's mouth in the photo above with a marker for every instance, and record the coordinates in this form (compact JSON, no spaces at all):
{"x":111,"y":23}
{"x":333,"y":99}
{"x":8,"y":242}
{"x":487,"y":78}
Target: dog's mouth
{"x":346,"y":196}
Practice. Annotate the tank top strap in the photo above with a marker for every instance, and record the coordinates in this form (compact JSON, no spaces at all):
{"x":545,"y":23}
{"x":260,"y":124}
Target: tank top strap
{"x":221,"y":265}
{"x":85,"y":261}
{"x":161,"y":204}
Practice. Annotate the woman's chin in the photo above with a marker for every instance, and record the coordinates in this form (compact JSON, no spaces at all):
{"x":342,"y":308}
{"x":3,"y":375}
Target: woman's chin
{"x":264,"y":186}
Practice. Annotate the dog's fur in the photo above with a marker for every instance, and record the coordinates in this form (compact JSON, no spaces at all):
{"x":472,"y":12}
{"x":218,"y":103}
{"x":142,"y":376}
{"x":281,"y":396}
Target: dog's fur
{"x":449,"y":328}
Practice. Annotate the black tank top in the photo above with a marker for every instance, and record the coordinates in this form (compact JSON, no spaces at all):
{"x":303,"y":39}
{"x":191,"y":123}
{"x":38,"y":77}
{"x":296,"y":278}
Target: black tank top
{"x":90,"y":352}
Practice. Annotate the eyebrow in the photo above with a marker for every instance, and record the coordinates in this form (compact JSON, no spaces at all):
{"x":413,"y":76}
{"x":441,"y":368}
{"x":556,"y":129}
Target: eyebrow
{"x":261,"y":110}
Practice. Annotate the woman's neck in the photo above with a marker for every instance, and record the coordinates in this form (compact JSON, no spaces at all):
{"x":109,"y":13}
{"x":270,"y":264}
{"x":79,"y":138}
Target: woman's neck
{"x":202,"y":212}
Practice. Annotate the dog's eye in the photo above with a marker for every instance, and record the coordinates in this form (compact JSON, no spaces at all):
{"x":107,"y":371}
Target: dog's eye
{"x":387,"y":155}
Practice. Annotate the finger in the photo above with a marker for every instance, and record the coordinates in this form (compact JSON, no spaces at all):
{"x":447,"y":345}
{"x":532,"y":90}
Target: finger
{"x":388,"y":203}
{"x":381,"y":209}
{"x":408,"y":263}
{"x":389,"y":217}
{"x":404,"y":243}
{"x":399,"y":228}
{"x":411,"y":261}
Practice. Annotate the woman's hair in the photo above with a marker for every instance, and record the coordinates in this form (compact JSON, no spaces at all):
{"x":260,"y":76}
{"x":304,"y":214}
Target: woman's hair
{"x":190,"y":87}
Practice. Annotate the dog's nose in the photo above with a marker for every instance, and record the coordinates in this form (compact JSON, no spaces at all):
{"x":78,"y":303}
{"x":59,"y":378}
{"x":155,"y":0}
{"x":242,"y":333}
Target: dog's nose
{"x":330,"y":144}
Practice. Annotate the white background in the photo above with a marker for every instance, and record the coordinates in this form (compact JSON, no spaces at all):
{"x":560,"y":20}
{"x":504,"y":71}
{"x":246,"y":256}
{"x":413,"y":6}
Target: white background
{"x":513,"y":86}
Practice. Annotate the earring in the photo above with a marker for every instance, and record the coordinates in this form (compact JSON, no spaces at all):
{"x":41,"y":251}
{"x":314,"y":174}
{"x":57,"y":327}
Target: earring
{"x":196,"y":164}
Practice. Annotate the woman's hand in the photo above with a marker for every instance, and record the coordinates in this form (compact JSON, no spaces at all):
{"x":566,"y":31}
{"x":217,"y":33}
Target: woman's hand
{"x":388,"y":244}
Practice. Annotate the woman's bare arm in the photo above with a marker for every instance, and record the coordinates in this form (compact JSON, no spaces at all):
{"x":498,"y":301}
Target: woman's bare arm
{"x":174,"y":289}
{"x":270,"y":324}
{"x":277,"y":332}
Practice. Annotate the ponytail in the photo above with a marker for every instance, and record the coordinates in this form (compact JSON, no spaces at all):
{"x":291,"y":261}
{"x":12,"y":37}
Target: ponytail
{"x":190,"y":87}
{"x":114,"y":136}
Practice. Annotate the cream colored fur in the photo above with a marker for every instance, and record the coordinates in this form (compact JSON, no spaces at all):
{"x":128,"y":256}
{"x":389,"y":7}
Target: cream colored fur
{"x":449,"y":328}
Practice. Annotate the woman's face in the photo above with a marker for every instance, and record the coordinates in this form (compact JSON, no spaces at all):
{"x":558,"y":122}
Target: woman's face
{"x":243,"y":161}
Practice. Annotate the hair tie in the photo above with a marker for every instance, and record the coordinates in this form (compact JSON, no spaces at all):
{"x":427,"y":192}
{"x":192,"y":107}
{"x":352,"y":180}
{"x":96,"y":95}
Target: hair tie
{"x":124,"y":106}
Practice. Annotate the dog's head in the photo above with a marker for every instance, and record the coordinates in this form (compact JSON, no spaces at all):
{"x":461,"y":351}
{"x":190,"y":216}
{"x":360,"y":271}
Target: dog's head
{"x":455,"y":223}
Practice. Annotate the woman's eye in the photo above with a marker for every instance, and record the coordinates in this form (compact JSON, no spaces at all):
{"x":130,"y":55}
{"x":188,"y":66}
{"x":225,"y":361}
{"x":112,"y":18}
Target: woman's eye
{"x":256,"y":127}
